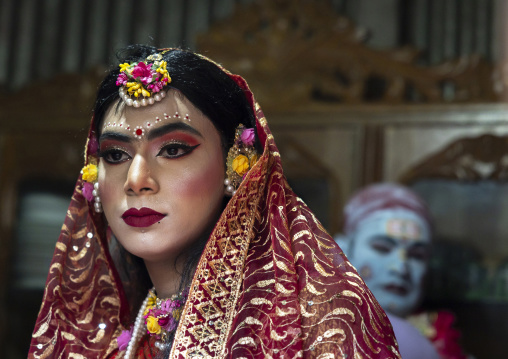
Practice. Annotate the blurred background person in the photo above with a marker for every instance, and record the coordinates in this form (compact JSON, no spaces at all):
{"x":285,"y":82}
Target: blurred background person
{"x":387,"y":237}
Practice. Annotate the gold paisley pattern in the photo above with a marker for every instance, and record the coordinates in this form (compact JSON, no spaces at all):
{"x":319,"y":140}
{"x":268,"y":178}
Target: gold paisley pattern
{"x":81,"y":307}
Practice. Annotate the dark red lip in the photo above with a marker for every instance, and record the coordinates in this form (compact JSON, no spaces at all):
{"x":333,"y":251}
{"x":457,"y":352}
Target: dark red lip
{"x":143,"y":217}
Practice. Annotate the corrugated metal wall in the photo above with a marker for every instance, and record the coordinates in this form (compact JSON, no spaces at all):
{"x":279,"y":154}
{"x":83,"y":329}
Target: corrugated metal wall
{"x":447,"y":29}
{"x":41,"y":38}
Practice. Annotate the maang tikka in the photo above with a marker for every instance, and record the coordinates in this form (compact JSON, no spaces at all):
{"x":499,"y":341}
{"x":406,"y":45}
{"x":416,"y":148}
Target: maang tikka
{"x":241,"y":158}
{"x":142,"y":83}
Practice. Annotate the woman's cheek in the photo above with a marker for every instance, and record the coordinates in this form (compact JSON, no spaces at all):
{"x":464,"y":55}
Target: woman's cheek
{"x":202,"y":180}
{"x":106,"y":187}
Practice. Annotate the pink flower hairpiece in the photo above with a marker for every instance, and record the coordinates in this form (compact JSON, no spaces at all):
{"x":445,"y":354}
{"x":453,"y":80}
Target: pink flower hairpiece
{"x":141,"y":83}
{"x":248,"y":137}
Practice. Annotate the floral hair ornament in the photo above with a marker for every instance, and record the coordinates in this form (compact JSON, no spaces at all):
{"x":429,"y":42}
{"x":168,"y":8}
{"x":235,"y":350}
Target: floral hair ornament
{"x":91,"y":186}
{"x":141,"y":83}
{"x":241,"y":158}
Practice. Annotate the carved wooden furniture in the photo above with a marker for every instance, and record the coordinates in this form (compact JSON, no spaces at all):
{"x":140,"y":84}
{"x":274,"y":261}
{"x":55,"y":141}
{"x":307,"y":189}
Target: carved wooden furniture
{"x":294,"y":53}
{"x":467,"y":159}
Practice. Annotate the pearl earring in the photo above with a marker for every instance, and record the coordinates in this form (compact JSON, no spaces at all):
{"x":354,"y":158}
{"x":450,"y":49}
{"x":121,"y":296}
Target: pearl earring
{"x":97,"y":199}
{"x":229,"y":188}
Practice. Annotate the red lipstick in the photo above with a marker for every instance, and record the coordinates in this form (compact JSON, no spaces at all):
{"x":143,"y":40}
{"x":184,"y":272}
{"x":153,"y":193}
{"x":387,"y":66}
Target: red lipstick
{"x":143,"y":217}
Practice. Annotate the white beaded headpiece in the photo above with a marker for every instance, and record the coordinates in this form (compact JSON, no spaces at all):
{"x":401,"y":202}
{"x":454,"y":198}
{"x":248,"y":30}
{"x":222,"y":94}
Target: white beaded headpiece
{"x":142,"y":83}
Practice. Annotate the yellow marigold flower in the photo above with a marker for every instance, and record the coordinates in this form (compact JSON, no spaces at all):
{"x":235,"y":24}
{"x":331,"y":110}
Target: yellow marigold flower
{"x":151,"y":301}
{"x":152,"y":324}
{"x":124,"y":66}
{"x":90,"y":173}
{"x":241,"y":165}
{"x":145,"y":93}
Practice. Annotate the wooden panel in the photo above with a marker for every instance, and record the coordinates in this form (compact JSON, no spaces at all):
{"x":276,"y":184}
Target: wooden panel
{"x":330,"y":153}
{"x":362,"y":145}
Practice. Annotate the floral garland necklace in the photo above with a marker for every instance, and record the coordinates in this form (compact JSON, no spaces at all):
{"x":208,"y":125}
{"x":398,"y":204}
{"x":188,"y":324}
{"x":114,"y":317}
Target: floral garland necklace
{"x":157,"y":317}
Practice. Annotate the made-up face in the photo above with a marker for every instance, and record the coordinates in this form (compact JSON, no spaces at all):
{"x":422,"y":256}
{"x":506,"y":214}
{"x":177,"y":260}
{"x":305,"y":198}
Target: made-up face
{"x":161,"y":176}
{"x":390,"y":249}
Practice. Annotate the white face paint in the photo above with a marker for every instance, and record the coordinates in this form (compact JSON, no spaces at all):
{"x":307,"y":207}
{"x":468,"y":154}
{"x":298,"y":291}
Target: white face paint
{"x":390,"y":249}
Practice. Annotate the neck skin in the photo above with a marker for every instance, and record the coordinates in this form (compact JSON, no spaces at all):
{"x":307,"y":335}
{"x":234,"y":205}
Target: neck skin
{"x":166,"y":276}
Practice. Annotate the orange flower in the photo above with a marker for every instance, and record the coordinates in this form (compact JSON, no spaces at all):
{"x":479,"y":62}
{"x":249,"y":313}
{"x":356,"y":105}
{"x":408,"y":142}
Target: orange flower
{"x":152,"y":324}
{"x":241,"y":165}
{"x":90,"y":173}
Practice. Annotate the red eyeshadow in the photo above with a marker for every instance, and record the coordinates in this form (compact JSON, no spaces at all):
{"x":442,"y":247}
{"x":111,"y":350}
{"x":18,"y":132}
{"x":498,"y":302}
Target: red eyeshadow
{"x":179,"y":137}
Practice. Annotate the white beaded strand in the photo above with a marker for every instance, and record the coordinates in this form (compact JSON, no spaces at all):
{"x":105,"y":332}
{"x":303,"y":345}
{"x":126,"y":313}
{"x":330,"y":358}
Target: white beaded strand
{"x":229,"y":187}
{"x":97,"y":199}
{"x":138,"y":331}
{"x":140,"y":103}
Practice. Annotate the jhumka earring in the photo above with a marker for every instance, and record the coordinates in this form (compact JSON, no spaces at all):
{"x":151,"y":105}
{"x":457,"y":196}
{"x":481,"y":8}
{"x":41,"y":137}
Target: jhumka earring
{"x":142,"y":83}
{"x":241,"y":158}
{"x":91,"y":186}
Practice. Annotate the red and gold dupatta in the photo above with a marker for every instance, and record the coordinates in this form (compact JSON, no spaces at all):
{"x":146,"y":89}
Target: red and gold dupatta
{"x":271,"y":283}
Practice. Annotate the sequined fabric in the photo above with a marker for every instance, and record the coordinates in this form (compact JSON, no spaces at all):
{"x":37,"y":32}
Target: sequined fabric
{"x":271,"y":283}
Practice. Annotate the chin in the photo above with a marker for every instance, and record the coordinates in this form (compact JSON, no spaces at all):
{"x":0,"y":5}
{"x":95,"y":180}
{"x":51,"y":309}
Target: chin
{"x":147,"y":246}
{"x":399,"y":306}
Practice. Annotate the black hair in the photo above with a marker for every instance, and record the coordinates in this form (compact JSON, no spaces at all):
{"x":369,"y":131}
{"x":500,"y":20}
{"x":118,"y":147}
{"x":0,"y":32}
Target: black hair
{"x":218,"y":97}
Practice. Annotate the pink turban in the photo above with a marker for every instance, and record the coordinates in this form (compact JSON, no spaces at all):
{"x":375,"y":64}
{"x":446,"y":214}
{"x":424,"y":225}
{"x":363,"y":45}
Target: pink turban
{"x":379,"y":197}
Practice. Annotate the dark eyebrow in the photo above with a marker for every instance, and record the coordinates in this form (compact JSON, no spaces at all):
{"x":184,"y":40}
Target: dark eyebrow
{"x":170,"y":127}
{"x":115,"y":136}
